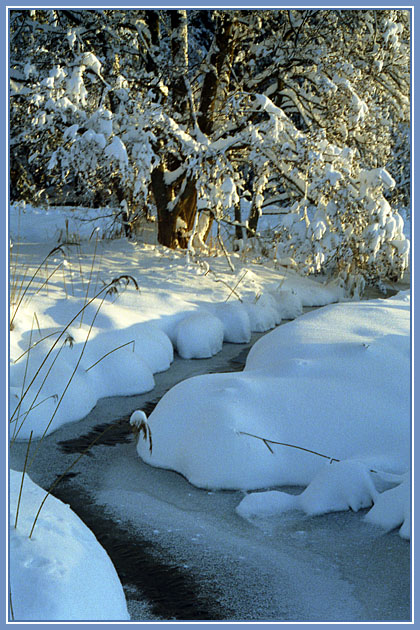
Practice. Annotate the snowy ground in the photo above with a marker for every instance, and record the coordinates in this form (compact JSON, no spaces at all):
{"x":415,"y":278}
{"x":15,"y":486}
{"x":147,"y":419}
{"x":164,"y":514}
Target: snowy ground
{"x":184,"y":552}
{"x":340,"y":362}
{"x":61,"y":340}
{"x":54,"y":570}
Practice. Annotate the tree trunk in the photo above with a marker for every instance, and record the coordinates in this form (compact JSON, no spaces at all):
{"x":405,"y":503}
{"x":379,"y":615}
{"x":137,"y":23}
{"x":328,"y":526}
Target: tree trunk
{"x":179,"y":71}
{"x":238,"y":219}
{"x":152,"y":21}
{"x":187,"y":209}
{"x":166,"y":219}
{"x":216,"y":81}
{"x":254,"y":215}
{"x":214,"y":89}
{"x":169,"y":234}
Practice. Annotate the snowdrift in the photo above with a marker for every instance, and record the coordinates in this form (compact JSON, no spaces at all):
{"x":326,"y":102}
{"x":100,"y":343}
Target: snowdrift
{"x":335,"y":381}
{"x":61,"y":573}
{"x":61,"y":363}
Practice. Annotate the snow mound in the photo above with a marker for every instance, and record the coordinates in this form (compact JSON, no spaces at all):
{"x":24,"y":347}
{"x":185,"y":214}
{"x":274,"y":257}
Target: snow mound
{"x":61,"y":573}
{"x":270,"y":503}
{"x":145,"y":341}
{"x":392,"y":509}
{"x":289,"y":304}
{"x":61,"y":224}
{"x":115,"y":346}
{"x":313,"y":293}
{"x":122,"y":375}
{"x":121,"y":362}
{"x":334,"y":381}
{"x":339,"y":486}
{"x":199,"y":336}
{"x":235,"y":320}
{"x":262,"y":315}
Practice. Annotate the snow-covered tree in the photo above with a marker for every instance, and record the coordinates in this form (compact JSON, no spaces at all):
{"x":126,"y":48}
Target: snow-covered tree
{"x":197,"y":112}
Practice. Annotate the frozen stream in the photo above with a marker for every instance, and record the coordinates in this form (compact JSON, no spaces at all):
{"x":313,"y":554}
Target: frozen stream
{"x":183,"y":553}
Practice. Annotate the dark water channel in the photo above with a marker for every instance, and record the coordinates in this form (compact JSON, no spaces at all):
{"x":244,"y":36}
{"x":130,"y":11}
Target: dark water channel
{"x":171,"y":591}
{"x":183,"y":554}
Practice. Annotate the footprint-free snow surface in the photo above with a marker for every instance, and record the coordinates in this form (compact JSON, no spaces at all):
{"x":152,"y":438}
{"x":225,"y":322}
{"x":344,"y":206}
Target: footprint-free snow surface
{"x":184,"y":553}
{"x":323,"y":400}
{"x":335,"y":381}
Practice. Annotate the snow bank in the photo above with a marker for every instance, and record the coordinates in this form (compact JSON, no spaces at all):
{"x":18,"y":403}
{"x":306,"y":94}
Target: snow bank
{"x":117,"y":349}
{"x":339,"y":486}
{"x":113,"y":363}
{"x":393,"y":508}
{"x":336,"y":487}
{"x":289,"y":303}
{"x":235,"y":320}
{"x":262,"y":315}
{"x":335,"y":381}
{"x":38,"y":225}
{"x":61,"y":573}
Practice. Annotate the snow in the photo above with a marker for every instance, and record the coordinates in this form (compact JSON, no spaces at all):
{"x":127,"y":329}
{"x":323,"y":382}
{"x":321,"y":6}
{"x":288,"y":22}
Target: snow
{"x":199,"y":336}
{"x":335,"y":381}
{"x":61,"y":572}
{"x":339,"y":486}
{"x":117,"y":151}
{"x":235,"y":320}
{"x":76,"y":87}
{"x":290,"y":304}
{"x":90,"y":61}
{"x":37,"y":225}
{"x":370,"y":179}
{"x":392,"y":508}
{"x":68,"y":350}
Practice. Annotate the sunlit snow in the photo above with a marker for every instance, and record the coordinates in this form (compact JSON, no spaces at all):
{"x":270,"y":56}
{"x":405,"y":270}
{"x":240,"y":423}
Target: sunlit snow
{"x":334,"y":381}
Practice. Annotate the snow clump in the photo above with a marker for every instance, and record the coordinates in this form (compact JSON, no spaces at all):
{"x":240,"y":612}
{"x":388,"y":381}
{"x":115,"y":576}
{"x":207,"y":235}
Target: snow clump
{"x":338,"y":487}
{"x":199,"y":336}
{"x":235,"y":320}
{"x":392,"y":508}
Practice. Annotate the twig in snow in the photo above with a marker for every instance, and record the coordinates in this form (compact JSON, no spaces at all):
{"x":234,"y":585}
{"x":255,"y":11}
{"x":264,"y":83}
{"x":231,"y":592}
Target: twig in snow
{"x":267,"y":442}
{"x":236,"y":285}
{"x":23,"y":477}
{"x":216,"y":279}
{"x":222,"y":245}
{"x":110,"y":352}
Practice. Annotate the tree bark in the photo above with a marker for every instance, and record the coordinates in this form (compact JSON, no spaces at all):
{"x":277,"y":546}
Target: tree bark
{"x":254,"y":215}
{"x":166,"y":219}
{"x":152,"y":21}
{"x":186,"y":208}
{"x":179,"y":53}
{"x":164,"y":193}
{"x":238,"y":219}
{"x":217,"y":77}
{"x":214,"y":89}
